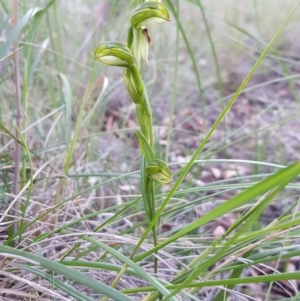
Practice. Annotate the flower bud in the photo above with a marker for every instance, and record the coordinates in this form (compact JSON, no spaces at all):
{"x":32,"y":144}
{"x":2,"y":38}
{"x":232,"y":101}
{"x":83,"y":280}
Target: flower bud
{"x":130,"y":38}
{"x":159,"y":172}
{"x":114,"y":54}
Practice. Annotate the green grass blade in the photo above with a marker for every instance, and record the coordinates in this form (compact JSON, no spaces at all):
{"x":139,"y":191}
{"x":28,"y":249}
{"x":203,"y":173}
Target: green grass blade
{"x":145,"y":147}
{"x":213,"y":50}
{"x":174,"y":90}
{"x":62,"y":203}
{"x":134,"y":266}
{"x":235,"y":281}
{"x":30,"y":189}
{"x":284,"y":175}
{"x":60,"y":269}
{"x":68,"y":100}
{"x":4,"y":7}
{"x":189,"y":49}
{"x":10,"y":134}
{"x":64,"y":287}
{"x":37,"y":60}
{"x":17,"y":30}
{"x":223,"y":294}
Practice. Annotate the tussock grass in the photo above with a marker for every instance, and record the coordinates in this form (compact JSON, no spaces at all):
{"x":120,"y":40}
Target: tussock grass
{"x":229,"y":225}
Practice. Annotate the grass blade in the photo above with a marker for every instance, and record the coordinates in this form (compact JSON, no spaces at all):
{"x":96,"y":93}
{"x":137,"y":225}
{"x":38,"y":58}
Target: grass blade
{"x":17,"y":30}
{"x":284,"y":175}
{"x":68,"y":100}
{"x":64,"y":287}
{"x":132,"y":265}
{"x":60,"y":269}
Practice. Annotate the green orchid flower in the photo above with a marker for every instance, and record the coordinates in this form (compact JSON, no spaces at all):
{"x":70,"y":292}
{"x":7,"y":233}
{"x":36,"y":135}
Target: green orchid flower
{"x":139,"y":38}
{"x":150,"y":12}
{"x":114,"y":54}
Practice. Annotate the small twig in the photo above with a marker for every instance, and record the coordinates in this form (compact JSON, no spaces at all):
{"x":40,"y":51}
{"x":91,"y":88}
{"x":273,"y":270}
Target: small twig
{"x":9,"y":54}
{"x":18,"y":111}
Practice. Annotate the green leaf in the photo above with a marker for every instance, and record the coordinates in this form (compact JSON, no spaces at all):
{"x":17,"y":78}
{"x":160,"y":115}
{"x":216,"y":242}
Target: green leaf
{"x":145,"y":147}
{"x":142,"y":119}
{"x":134,"y":84}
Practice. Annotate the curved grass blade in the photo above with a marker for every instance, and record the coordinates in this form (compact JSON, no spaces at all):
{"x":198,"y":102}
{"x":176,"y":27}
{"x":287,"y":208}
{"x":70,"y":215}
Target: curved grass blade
{"x":159,"y":287}
{"x":17,"y":30}
{"x":60,"y":269}
{"x":64,"y":287}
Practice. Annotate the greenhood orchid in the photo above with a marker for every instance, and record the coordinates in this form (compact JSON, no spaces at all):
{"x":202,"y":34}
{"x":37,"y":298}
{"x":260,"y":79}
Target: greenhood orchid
{"x":139,"y":38}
